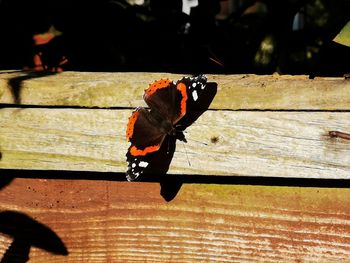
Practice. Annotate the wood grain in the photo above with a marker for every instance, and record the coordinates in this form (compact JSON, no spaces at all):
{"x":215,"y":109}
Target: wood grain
{"x":126,"y":89}
{"x":270,"y":144}
{"x":243,"y":138}
{"x":104,"y":221}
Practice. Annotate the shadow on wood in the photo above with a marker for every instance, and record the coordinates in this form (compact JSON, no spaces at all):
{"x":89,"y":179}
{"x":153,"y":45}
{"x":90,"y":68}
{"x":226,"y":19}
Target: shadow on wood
{"x":16,"y":83}
{"x":170,"y":180}
{"x":27,"y":232}
{"x":169,"y":186}
{"x":4,"y":180}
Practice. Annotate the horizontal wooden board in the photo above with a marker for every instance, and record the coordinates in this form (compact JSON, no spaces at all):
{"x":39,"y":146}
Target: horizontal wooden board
{"x":126,"y":90}
{"x":229,"y":143}
{"x":104,"y":221}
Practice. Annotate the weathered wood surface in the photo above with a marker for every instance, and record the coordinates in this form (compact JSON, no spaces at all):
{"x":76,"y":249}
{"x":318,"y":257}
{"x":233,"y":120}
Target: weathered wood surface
{"x":125,"y":90}
{"x":100,"y":220}
{"x":272,"y":144}
{"x":103,"y":221}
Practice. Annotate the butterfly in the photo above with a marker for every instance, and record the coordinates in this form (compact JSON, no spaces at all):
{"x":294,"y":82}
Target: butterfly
{"x":172,"y":108}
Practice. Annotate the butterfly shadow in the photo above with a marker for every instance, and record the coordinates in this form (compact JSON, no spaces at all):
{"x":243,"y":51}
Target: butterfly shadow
{"x":4,"y":180}
{"x":159,"y":161}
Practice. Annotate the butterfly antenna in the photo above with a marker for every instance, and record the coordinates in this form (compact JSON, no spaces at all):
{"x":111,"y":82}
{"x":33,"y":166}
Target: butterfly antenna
{"x":168,"y":147}
{"x":188,"y":159}
{"x":204,"y":143}
{"x":215,"y":59}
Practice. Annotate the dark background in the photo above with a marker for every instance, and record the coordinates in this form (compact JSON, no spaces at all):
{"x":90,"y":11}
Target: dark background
{"x":251,"y":37}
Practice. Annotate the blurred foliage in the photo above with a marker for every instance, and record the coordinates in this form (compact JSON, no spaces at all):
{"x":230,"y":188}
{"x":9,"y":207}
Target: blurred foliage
{"x":344,"y":36}
{"x":112,"y":35}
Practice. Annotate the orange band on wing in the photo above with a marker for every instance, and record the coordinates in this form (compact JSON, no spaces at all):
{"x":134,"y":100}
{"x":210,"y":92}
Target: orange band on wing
{"x":137,"y":152}
{"x":159,"y":84}
{"x":182,"y":88}
{"x":131,"y":123}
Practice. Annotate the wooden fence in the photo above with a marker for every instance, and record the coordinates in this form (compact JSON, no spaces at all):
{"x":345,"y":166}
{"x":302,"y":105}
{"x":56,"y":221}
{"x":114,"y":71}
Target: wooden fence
{"x":259,"y":179}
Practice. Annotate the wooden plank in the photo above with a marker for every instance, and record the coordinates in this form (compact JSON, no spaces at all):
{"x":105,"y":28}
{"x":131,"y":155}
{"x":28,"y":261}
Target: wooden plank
{"x":104,"y":221}
{"x":126,"y":90}
{"x":272,"y":144}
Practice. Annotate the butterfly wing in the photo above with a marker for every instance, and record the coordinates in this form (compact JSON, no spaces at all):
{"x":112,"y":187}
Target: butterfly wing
{"x":200,"y":95}
{"x":146,"y":136}
{"x":167,"y":99}
{"x":144,"y":132}
{"x":195,"y":85}
{"x":136,"y":166}
{"x":147,"y":130}
{"x":152,"y":164}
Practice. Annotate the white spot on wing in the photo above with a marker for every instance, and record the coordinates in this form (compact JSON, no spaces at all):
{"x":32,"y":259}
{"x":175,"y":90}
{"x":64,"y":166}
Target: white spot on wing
{"x":194,"y":95}
{"x":133,"y":165}
{"x":143,"y":164}
{"x":194,"y":84}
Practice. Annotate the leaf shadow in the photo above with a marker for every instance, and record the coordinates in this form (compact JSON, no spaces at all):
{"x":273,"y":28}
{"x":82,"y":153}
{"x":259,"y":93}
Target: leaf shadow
{"x":16,"y":83}
{"x":26,"y":233}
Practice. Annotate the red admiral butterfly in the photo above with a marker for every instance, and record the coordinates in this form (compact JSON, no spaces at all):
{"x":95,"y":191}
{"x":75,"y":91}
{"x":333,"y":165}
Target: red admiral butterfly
{"x":169,"y":103}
